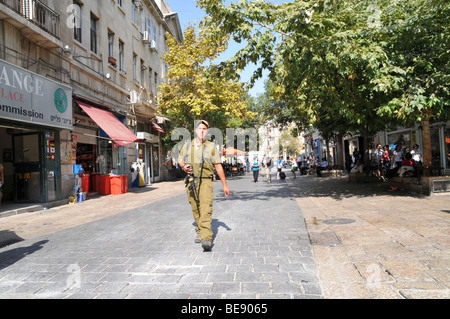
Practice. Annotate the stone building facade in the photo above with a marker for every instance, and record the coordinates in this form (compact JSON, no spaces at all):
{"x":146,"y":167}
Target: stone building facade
{"x":79,"y":83}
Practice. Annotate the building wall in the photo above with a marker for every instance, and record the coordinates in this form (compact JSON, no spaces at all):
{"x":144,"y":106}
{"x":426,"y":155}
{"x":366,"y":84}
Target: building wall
{"x":90,"y":74}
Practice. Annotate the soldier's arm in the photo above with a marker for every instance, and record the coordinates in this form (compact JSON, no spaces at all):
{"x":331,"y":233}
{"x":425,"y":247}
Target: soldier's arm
{"x":220,"y":172}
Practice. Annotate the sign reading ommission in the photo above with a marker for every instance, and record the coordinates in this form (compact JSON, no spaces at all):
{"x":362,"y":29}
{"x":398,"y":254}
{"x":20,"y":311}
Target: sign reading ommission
{"x":28,"y":97}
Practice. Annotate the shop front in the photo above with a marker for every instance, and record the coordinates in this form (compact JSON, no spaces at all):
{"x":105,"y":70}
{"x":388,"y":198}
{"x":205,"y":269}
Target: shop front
{"x":99,"y":143}
{"x":440,"y":144}
{"x":148,"y":161}
{"x":34,"y":111}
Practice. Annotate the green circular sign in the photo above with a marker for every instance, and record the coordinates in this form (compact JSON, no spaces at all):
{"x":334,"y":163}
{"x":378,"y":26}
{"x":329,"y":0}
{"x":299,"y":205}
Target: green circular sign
{"x":60,"y":100}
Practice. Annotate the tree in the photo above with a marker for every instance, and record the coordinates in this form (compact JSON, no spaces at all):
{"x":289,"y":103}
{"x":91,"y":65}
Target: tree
{"x":324,"y":63}
{"x":361,"y":65}
{"x":419,"y":35}
{"x":289,"y":142}
{"x":195,"y":88}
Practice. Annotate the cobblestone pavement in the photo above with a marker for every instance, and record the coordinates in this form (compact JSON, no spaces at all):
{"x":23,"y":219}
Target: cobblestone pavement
{"x":370,"y":242}
{"x":307,"y":237}
{"x":261,"y":249}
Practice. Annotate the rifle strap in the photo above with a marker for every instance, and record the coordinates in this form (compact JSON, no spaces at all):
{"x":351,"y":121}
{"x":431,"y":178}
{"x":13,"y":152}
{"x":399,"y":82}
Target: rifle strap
{"x":203,"y":148}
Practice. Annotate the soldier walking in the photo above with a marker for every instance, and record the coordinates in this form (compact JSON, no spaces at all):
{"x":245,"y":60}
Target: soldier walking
{"x":199,"y":159}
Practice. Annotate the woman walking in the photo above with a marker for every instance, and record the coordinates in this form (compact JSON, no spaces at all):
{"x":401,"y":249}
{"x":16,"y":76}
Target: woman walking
{"x":255,"y":169}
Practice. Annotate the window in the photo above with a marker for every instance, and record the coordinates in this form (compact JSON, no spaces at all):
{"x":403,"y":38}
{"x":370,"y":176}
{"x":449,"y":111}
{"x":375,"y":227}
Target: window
{"x":143,"y":68}
{"x":94,"y":21}
{"x":141,"y":20}
{"x":135,"y":67}
{"x":119,"y":2}
{"x":133,"y":13}
{"x":156,"y":84}
{"x":110,"y":43}
{"x":76,"y":10}
{"x":149,"y":26}
{"x":150,"y":74}
{"x":121,"y":55}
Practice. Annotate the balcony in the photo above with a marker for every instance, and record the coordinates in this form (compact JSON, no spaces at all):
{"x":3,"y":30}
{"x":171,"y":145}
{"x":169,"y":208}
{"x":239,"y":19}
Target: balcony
{"x":29,"y":14}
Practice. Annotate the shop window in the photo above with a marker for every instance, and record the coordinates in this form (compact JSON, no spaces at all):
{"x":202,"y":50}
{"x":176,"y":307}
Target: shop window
{"x":104,"y":161}
{"x":404,"y":139}
{"x":435,"y":149}
{"x":86,"y":156}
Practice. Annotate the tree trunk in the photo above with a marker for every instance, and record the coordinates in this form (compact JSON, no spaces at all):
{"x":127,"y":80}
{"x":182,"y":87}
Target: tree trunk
{"x":427,"y":155}
{"x":366,"y":152}
{"x":328,"y":156}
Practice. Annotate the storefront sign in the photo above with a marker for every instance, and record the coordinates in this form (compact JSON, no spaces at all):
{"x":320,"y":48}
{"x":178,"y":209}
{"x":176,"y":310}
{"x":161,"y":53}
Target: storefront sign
{"x":28,"y":97}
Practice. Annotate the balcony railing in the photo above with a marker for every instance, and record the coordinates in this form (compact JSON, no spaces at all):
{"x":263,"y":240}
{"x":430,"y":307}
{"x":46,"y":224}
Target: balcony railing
{"x":37,"y":13}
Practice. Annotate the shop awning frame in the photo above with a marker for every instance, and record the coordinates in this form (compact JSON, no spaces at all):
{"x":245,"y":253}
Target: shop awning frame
{"x":116,"y":130}
{"x":158,"y":128}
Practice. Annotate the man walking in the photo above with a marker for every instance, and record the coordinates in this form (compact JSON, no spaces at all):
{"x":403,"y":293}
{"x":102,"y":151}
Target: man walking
{"x":199,"y":159}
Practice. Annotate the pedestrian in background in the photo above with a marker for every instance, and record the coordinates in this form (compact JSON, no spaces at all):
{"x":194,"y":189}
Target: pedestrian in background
{"x":255,"y":168}
{"x":408,"y":166}
{"x":386,"y":158}
{"x":269,"y":165}
{"x":377,"y":159}
{"x":416,"y":155}
{"x":417,"y":158}
{"x":398,"y":156}
{"x":321,"y":166}
{"x":294,"y":168}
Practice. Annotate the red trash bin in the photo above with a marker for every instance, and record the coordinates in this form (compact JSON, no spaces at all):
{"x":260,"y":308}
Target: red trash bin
{"x":124,"y":184}
{"x":105,"y":185}
{"x":85,"y":183}
{"x":95,"y":183}
{"x":116,"y":185}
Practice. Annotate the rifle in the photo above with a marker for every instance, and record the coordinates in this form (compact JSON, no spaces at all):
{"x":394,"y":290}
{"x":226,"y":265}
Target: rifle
{"x":190,"y":181}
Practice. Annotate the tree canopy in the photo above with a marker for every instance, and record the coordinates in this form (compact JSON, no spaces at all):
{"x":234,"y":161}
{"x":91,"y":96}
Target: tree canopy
{"x":195,"y":89}
{"x":347,"y":65}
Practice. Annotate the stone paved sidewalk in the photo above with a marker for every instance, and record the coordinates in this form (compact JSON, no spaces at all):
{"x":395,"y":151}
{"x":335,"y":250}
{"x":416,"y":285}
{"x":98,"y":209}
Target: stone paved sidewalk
{"x":307,"y":237}
{"x":261,"y":250}
{"x":370,"y":242}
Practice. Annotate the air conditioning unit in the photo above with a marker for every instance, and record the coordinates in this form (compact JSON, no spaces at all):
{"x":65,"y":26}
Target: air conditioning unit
{"x":153,"y":45}
{"x":134,"y":97}
{"x":146,"y":37}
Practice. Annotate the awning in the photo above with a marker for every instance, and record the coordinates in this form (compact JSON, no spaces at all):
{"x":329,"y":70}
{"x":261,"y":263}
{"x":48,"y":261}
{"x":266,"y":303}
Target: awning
{"x":118,"y":132}
{"x":158,"y":128}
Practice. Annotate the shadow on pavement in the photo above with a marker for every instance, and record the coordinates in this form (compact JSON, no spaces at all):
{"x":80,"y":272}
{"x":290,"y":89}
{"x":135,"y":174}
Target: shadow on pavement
{"x":255,"y":191}
{"x":309,"y":186}
{"x":215,"y":227}
{"x":10,"y":257}
{"x":8,"y":237}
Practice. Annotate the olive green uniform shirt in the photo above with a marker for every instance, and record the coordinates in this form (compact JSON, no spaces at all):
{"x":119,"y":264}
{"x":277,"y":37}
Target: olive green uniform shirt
{"x":192,"y":154}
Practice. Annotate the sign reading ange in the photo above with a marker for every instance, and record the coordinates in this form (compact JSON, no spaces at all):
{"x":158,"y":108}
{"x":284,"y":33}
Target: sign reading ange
{"x":28,"y":97}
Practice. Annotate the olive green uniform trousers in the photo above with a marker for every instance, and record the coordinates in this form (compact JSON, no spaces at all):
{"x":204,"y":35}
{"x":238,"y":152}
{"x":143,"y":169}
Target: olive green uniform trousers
{"x":203,"y":209}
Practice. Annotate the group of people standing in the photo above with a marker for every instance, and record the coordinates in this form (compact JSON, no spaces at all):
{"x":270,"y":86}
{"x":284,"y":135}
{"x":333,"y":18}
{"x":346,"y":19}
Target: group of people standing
{"x":394,"y":162}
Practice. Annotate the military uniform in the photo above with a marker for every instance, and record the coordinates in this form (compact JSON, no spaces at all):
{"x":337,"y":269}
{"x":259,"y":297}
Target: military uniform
{"x":203,"y":173}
